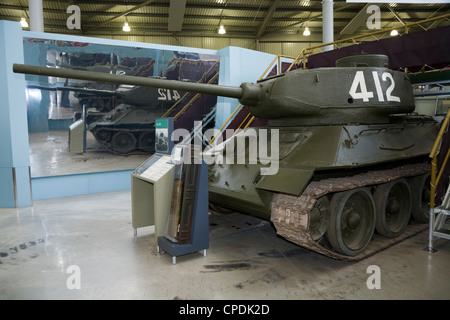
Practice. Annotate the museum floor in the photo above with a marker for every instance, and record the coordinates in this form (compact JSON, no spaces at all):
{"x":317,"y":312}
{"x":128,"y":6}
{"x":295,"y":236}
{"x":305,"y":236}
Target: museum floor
{"x":49,"y":156}
{"x":44,"y":246}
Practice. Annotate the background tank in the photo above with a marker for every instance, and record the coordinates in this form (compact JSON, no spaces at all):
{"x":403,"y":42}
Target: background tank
{"x":100,"y":95}
{"x":122,"y":117}
{"x":129,"y":127}
{"x":352,"y":163}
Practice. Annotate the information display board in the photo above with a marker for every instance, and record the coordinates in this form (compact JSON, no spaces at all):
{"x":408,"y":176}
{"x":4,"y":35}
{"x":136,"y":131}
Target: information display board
{"x":151,"y":193}
{"x":163,"y":134}
{"x":157,"y":168}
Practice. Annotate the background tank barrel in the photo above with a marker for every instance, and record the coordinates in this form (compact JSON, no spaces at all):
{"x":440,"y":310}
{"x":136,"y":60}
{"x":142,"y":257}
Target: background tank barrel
{"x":218,"y":90}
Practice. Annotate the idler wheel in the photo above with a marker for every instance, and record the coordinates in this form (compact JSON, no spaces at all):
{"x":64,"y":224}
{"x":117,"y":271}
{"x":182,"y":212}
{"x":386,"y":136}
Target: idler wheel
{"x":147,"y":141}
{"x":123,"y":142}
{"x":420,"y":189}
{"x":352,"y":222}
{"x":319,"y":218}
{"x":393,"y":208}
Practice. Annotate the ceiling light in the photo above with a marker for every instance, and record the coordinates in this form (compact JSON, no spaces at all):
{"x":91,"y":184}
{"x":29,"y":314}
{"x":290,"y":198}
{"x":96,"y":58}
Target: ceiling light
{"x":222,"y":30}
{"x":23,"y":23}
{"x":394,"y":33}
{"x":306,"y":32}
{"x":126,"y":27}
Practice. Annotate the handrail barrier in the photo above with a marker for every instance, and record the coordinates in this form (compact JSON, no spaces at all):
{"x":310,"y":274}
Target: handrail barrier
{"x":435,"y":178}
{"x":302,"y":57}
{"x":435,"y":175}
{"x":187,"y":93}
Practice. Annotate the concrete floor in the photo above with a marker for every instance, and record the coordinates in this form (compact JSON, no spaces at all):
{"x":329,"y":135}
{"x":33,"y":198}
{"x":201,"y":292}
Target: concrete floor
{"x":43,"y":248}
{"x":49,"y":156}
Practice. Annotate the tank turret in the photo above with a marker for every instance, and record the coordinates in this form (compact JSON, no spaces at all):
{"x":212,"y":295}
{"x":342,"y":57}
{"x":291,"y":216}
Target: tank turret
{"x":351,"y":161}
{"x":358,"y":90}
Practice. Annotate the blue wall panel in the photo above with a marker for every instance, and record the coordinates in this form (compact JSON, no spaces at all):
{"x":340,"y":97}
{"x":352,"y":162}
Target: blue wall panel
{"x":6,"y":188}
{"x":14,"y":161}
{"x":79,"y":184}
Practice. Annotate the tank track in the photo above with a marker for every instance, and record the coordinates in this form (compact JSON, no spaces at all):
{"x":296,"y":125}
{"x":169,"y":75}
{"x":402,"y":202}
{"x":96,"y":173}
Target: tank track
{"x":108,"y":146}
{"x":290,"y":214}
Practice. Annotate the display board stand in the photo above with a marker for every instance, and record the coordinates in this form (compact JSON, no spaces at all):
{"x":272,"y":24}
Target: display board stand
{"x":77,"y":135}
{"x":151,"y":193}
{"x":199,"y":233}
{"x":152,"y":183}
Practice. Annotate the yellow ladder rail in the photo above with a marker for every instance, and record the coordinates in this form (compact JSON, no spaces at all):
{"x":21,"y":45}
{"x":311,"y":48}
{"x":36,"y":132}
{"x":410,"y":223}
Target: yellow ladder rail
{"x":297,"y":58}
{"x":174,"y":105}
{"x":240,"y":125}
{"x":303,"y":55}
{"x":276,"y":59}
{"x":436,"y":176}
{"x":193,"y":99}
{"x":187,"y":93}
{"x":225,"y":123}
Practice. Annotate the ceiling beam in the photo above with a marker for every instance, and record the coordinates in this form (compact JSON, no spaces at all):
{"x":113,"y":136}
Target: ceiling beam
{"x":268,"y":17}
{"x":396,"y":15}
{"x":315,"y":17}
{"x":121,"y":14}
{"x":356,"y":22}
{"x":176,"y":15}
{"x":281,"y":37}
{"x":438,"y":22}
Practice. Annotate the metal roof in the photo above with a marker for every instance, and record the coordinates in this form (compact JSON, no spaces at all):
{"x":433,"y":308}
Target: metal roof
{"x":262,"y":20}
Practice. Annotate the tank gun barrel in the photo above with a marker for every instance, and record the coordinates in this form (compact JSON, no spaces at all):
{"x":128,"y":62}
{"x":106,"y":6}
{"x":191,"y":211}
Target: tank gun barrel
{"x":360,"y":89}
{"x":219,"y":90}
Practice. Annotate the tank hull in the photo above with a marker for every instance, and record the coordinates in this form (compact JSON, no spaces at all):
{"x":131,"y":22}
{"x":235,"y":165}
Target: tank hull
{"x":125,"y":130}
{"x":321,"y":163}
{"x":309,"y":153}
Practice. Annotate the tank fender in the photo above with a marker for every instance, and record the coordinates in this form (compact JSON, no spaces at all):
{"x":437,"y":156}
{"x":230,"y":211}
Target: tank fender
{"x":287,"y":180}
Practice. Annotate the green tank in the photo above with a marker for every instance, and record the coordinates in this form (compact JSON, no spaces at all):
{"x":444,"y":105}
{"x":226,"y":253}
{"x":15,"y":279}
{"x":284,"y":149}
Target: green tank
{"x":351,"y":172}
{"x":129,"y":127}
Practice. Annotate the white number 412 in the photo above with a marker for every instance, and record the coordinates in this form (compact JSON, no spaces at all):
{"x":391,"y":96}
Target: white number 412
{"x":360,"y":81}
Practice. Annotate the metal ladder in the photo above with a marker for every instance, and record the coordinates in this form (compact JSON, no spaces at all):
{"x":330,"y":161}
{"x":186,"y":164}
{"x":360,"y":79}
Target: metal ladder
{"x":439,"y":221}
{"x":438,"y":226}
